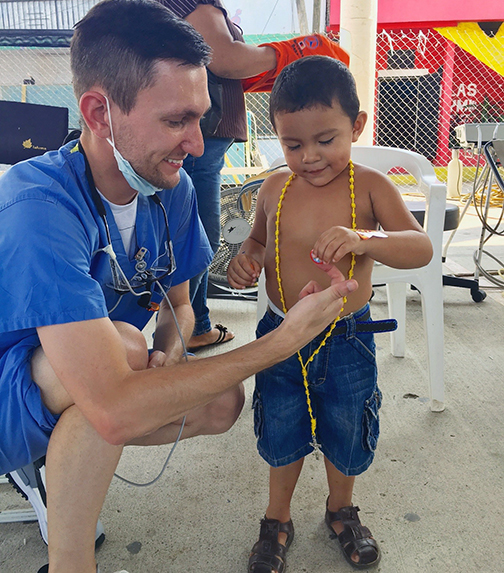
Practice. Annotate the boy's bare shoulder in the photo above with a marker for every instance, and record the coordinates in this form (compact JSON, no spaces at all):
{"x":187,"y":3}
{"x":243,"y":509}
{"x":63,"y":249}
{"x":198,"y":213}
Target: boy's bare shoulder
{"x":371,"y":178}
{"x":276,"y":180}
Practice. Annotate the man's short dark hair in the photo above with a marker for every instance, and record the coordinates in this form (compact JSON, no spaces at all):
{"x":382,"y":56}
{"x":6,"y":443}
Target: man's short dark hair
{"x":314,"y":81}
{"x":118,"y":43}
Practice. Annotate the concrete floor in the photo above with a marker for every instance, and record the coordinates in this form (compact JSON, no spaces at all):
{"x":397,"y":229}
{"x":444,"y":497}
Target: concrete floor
{"x":433,"y":497}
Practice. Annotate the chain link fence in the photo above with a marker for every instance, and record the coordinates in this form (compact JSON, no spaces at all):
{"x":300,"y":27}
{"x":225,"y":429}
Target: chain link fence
{"x":428,"y":82}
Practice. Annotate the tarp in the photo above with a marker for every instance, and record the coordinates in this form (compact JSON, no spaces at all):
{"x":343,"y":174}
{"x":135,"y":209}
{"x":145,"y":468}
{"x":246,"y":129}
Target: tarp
{"x":471,"y":38}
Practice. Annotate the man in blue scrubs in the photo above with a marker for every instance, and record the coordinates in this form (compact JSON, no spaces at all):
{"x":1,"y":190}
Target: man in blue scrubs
{"x":87,"y":253}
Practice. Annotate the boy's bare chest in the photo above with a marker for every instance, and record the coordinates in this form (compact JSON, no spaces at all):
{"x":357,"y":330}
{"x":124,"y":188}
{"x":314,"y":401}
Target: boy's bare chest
{"x":304,"y":216}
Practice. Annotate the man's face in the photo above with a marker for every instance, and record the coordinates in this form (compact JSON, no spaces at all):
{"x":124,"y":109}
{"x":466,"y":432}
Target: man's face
{"x":163,"y":127}
{"x":316,"y":141}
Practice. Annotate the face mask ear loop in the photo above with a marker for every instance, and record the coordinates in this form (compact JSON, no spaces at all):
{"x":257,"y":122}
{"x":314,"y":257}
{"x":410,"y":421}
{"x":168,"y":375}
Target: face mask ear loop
{"x":110,"y":122}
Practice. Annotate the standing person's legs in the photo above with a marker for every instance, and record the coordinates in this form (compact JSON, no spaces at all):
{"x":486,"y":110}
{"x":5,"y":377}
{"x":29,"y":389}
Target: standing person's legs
{"x":356,"y":541}
{"x":277,"y":530}
{"x":282,"y":483}
{"x":205,"y":174}
{"x":340,"y":491}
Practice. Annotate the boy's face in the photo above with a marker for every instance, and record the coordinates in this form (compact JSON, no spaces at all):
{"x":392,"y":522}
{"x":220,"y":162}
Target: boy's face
{"x":316,"y":142}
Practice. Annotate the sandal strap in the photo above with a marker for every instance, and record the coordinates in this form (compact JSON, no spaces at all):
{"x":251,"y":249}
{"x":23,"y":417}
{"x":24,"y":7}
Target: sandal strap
{"x":345,"y":514}
{"x":288,"y":529}
{"x":273,"y":562}
{"x":222,"y":333}
{"x":355,"y":537}
{"x":267,"y":550}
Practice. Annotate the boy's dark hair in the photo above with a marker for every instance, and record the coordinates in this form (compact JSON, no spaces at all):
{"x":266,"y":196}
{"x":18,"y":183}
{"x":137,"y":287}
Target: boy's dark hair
{"x":118,"y":43}
{"x":313,"y":81}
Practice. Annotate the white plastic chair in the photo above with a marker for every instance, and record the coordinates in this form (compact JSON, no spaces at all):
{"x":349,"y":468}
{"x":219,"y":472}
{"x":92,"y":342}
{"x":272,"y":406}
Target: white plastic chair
{"x":428,"y":280}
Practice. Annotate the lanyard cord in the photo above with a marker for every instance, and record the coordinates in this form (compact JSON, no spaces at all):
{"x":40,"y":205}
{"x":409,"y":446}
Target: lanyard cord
{"x":97,"y":200}
{"x":103,"y":214}
{"x":304,"y":365}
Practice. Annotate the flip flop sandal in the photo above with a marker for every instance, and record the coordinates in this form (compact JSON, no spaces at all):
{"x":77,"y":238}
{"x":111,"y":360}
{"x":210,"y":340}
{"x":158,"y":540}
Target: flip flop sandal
{"x":268,"y":555}
{"x":221,"y":339}
{"x":355,"y":537}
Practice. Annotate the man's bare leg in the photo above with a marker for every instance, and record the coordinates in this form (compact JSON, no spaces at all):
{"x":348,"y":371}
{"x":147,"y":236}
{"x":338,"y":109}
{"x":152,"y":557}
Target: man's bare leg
{"x":79,"y":466}
{"x":214,"y":418}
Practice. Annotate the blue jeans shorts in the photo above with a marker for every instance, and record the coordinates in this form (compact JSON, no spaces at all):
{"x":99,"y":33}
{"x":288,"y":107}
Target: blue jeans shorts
{"x":344,"y":395}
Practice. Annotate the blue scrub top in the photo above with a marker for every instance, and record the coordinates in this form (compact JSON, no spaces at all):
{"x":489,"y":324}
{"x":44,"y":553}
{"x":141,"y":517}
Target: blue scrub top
{"x":52,"y":272}
{"x":51,"y":233}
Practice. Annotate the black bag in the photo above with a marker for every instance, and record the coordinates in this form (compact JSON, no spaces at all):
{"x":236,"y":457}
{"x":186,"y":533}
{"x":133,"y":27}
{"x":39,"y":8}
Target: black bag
{"x":212,"y":118}
{"x":28,"y":130}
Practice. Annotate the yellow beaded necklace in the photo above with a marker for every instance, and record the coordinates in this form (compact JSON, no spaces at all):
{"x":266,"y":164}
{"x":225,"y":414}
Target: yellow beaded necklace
{"x":304,"y":365}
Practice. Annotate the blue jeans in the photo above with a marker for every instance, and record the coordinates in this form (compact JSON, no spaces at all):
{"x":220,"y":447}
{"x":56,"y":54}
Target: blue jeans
{"x":205,"y":174}
{"x":344,"y":394}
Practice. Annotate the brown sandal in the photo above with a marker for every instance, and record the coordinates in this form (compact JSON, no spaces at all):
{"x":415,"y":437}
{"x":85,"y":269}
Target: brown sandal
{"x":268,"y":555}
{"x":355,"y":537}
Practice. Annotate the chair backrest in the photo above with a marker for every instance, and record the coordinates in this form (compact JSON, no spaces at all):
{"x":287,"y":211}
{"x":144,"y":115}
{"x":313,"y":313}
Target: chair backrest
{"x":384,"y":159}
{"x":27,"y":130}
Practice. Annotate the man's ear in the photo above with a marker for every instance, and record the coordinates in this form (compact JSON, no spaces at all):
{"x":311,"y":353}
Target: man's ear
{"x":359,"y":125}
{"x":93,"y":107}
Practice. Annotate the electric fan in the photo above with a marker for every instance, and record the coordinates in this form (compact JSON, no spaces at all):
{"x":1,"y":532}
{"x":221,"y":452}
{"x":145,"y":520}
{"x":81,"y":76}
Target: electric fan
{"x":237,"y":217}
{"x":238,"y":207}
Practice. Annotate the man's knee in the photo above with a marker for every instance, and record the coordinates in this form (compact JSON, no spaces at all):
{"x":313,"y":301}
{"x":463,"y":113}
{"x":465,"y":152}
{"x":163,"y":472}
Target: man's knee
{"x":222,"y":413}
{"x":135,"y":345}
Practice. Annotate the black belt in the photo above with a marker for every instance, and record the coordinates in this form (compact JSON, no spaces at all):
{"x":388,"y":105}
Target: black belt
{"x":387,"y":325}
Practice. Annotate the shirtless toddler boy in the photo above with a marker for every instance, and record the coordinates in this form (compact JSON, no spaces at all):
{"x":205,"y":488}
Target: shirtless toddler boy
{"x":309,"y":219}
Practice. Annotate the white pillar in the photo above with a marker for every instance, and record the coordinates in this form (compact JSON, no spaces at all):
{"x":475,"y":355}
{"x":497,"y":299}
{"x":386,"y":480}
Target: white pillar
{"x":358,"y":25}
{"x":303,"y":20}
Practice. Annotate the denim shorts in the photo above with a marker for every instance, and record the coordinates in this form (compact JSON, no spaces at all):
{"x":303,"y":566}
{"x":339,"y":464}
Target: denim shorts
{"x":344,"y":395}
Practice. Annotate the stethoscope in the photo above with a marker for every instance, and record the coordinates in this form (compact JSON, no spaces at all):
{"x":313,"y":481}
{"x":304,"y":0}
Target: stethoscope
{"x":146,"y":275}
{"x":144,"y":297}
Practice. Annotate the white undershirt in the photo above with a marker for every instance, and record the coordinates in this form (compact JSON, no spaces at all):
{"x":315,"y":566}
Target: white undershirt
{"x":125,"y":218}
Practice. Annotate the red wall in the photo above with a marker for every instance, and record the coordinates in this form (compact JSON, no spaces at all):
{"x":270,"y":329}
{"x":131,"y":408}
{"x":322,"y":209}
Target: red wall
{"x":415,"y":13}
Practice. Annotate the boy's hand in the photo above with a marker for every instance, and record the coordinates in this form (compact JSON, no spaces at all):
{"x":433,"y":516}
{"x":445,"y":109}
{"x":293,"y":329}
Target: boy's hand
{"x":336,"y":242}
{"x":243,"y":271}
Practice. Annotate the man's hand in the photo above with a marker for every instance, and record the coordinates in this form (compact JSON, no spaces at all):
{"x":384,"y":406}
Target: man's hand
{"x":317,"y":308}
{"x":157,"y":359}
{"x":337,"y":279}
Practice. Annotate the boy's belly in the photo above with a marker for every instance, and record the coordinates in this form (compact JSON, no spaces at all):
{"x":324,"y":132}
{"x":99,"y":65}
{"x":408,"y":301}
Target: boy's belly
{"x":296,"y":274}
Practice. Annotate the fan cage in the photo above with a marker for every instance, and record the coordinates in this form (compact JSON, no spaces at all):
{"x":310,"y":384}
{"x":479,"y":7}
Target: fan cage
{"x":232,"y":207}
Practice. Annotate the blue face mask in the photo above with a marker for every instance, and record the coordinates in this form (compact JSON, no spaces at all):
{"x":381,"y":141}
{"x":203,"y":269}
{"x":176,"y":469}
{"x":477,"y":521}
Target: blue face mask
{"x":134,"y":180}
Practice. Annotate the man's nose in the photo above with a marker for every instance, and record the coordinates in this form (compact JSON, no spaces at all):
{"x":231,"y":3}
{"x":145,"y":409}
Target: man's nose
{"x":193,"y":142}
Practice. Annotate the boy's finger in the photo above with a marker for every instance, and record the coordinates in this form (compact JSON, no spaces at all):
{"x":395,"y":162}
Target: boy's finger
{"x":334,"y":273}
